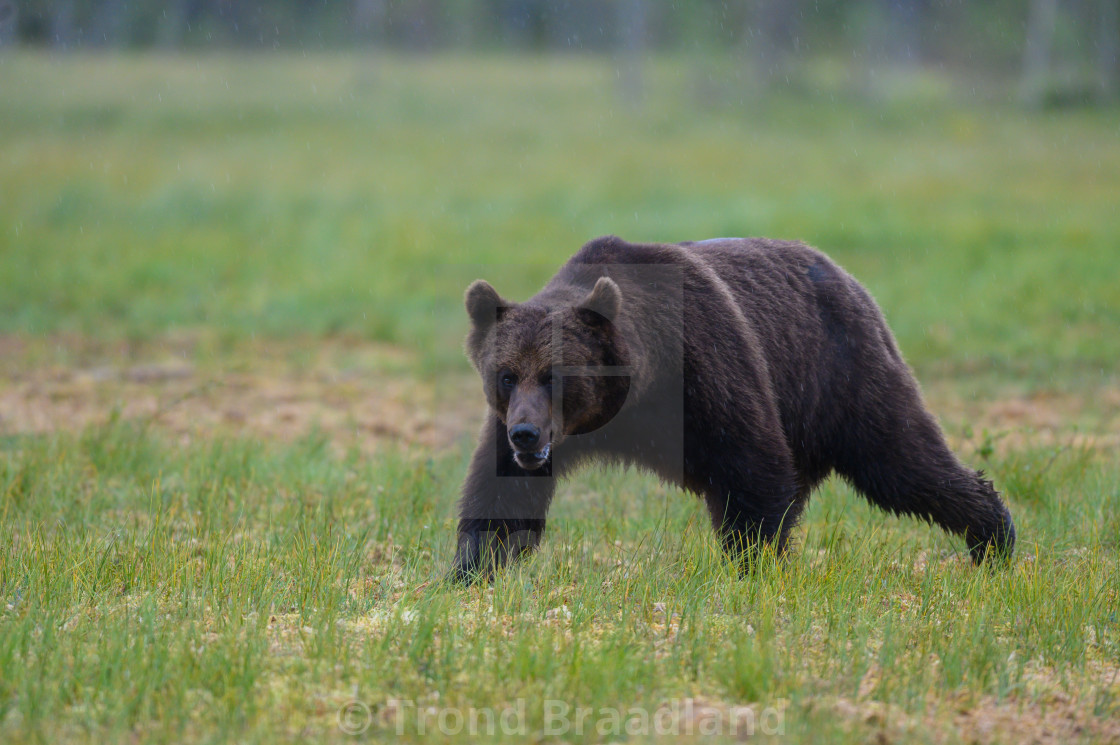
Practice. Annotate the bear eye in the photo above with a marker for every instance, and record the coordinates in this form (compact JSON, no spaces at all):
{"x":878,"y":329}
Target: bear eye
{"x":506,"y":381}
{"x":548,"y":379}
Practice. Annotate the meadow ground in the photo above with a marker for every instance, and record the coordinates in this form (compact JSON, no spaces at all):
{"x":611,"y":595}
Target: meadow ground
{"x":234,"y":409}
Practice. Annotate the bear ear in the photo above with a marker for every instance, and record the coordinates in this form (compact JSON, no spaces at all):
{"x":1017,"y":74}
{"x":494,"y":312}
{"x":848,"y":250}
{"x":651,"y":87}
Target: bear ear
{"x":484,"y":304}
{"x":605,"y":299}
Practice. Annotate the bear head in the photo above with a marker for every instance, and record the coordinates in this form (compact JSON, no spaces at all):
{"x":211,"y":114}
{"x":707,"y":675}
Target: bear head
{"x":549,"y":367}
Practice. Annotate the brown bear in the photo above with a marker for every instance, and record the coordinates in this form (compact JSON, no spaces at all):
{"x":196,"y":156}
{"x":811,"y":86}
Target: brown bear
{"x":743,"y":370}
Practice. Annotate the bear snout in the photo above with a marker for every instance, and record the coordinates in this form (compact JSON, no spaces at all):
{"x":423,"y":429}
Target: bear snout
{"x":531,"y":450}
{"x":525,"y":437}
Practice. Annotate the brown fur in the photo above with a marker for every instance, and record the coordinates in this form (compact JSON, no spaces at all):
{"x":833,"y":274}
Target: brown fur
{"x":744,"y":370}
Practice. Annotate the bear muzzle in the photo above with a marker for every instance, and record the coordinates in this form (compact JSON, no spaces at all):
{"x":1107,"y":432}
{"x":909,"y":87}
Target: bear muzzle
{"x":525,"y":438}
{"x":533,"y":461}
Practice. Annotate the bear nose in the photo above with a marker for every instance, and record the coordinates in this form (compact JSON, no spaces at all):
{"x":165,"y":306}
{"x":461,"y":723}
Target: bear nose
{"x":524,"y":436}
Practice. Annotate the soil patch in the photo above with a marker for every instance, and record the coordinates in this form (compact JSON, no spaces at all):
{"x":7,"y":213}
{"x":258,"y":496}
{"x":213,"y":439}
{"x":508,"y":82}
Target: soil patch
{"x":359,"y":399}
{"x":366,"y":395}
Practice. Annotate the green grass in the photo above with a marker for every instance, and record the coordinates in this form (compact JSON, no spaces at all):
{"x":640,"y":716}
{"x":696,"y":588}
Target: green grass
{"x":229,"y":588}
{"x":270,"y":195}
{"x":240,"y":590}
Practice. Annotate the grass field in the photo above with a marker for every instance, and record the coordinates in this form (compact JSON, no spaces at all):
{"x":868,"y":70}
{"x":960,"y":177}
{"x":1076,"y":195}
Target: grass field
{"x":234,"y":410}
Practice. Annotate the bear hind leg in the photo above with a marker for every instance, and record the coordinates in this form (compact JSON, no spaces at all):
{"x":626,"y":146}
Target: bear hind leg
{"x":901,"y":463}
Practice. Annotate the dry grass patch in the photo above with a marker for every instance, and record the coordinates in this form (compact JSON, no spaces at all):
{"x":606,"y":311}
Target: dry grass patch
{"x":353,"y":394}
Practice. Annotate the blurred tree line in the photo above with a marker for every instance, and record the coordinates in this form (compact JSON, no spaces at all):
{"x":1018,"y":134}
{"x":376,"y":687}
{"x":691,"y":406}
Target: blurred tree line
{"x":1057,"y":47}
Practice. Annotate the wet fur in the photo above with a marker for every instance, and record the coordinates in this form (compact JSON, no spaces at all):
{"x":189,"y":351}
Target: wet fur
{"x":790,"y":373}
